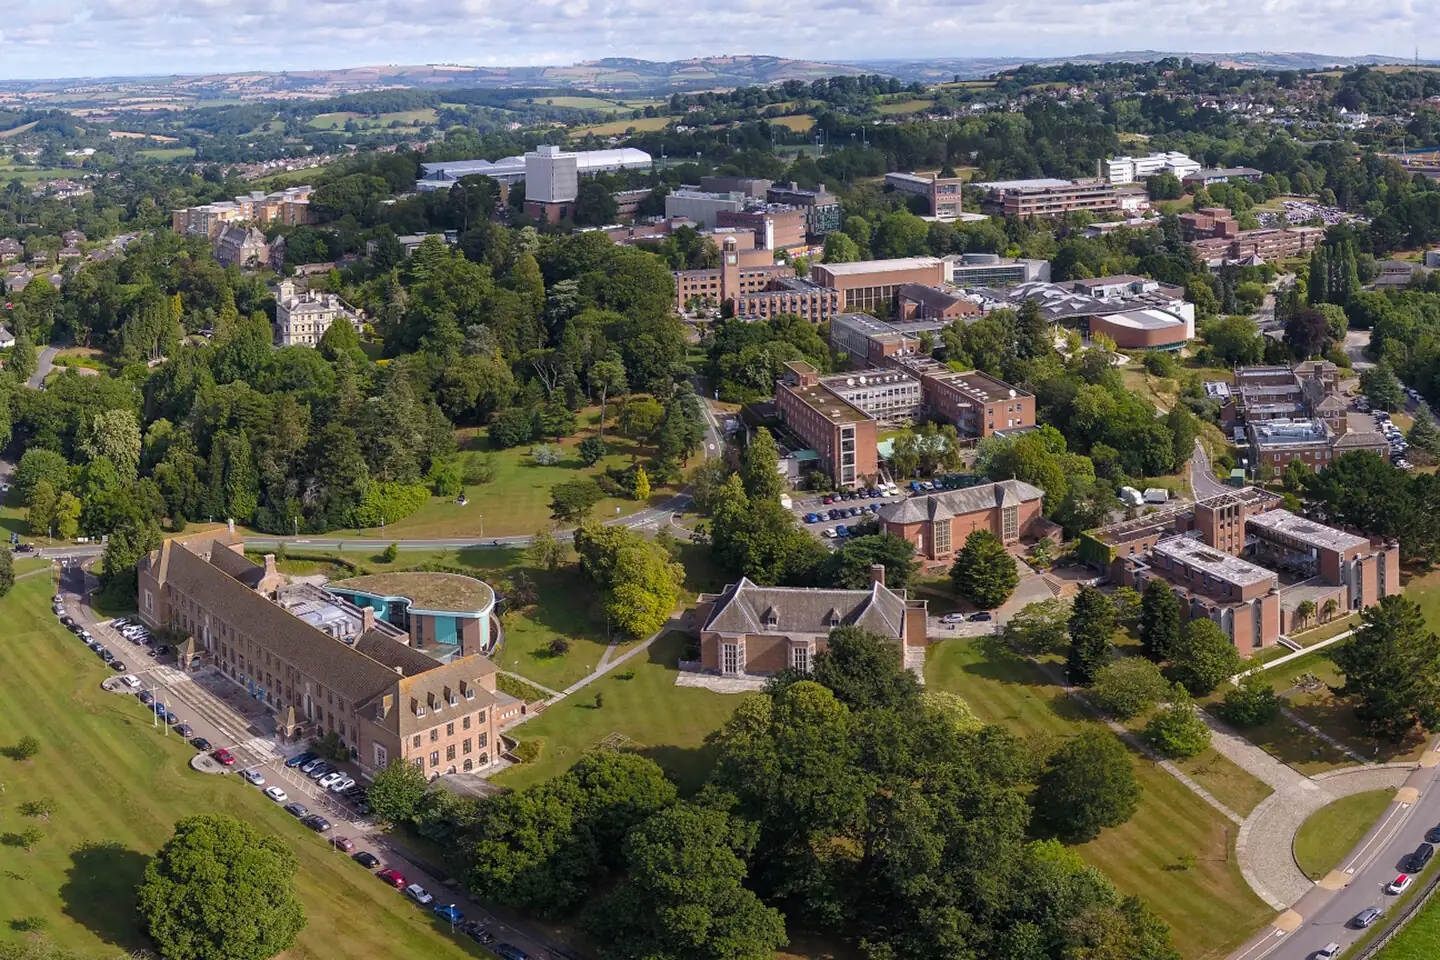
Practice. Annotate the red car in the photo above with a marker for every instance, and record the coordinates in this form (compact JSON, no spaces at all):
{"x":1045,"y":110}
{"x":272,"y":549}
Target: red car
{"x":392,"y":877}
{"x":224,"y":756}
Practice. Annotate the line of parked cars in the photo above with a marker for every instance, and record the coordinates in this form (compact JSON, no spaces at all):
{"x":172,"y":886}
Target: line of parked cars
{"x":1414,"y":863}
{"x":1398,"y":444}
{"x":332,"y":778}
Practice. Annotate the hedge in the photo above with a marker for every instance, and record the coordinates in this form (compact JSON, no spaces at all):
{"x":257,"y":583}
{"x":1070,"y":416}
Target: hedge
{"x":390,"y":502}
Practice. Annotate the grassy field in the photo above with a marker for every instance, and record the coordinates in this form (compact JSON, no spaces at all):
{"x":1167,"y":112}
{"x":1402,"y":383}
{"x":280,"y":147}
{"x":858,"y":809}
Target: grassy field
{"x":517,"y":501}
{"x":800,"y":123}
{"x":167,"y":153}
{"x":667,"y":723}
{"x":13,"y":171}
{"x":407,"y":118}
{"x":574,"y":103}
{"x":1420,"y":940}
{"x":905,"y":106}
{"x":1209,"y":907}
{"x":117,"y":789}
{"x":1333,"y":830}
{"x":617,"y":128}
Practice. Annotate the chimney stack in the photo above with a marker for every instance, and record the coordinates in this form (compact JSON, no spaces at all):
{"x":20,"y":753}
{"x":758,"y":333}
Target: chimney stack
{"x":230,"y":525}
{"x":270,"y":572}
{"x":877,"y":573}
{"x":367,"y":620}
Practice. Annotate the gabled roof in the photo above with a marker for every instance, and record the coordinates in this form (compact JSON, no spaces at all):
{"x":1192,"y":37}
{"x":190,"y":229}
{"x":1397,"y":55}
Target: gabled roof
{"x":955,"y":503}
{"x":746,"y":607}
{"x":239,"y":566}
{"x":1360,"y":440}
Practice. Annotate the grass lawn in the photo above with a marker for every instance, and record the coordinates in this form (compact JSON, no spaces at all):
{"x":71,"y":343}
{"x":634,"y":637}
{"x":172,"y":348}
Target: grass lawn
{"x":517,"y":501}
{"x":1333,"y":830}
{"x":665,"y":722}
{"x":167,"y":153}
{"x":1419,"y":940}
{"x":117,"y":789}
{"x":905,"y":106}
{"x":408,"y":118}
{"x":617,"y":128}
{"x":799,"y":123}
{"x":1209,"y":907}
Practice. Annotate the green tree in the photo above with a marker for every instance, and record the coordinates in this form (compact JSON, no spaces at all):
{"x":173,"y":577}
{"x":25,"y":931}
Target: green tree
{"x":1039,"y":629}
{"x":36,"y":465}
{"x":591,"y":449}
{"x":639,"y":582}
{"x":1424,"y":435}
{"x":595,"y":206}
{"x":608,"y":377}
{"x":839,"y":248}
{"x":1392,"y":668}
{"x":41,"y":515}
{"x":1092,"y":622}
{"x":642,"y":485}
{"x":220,"y":889}
{"x":1159,"y":619}
{"x":760,"y":468}
{"x":851,"y":566}
{"x":1253,"y":701}
{"x":545,"y":551}
{"x":390,"y":553}
{"x":114,"y":434}
{"x":984,"y":572}
{"x":572,"y":500}
{"x":1382,"y":388}
{"x":7,"y":571}
{"x":1128,"y":604}
{"x":397,"y":791}
{"x":1128,"y":686}
{"x":1089,"y":784}
{"x":67,"y":516}
{"x":864,"y":670}
{"x":1177,"y":730}
{"x":684,"y":896}
{"x":1204,"y":658}
{"x":21,"y":364}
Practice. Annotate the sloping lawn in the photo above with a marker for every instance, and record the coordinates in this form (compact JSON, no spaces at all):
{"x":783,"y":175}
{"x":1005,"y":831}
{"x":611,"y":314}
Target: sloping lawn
{"x":117,"y":789}
{"x":1208,"y":906}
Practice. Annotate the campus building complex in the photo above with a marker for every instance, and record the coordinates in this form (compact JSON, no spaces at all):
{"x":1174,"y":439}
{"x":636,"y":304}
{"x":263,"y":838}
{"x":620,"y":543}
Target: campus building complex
{"x":942,"y":194}
{"x":301,"y":318}
{"x":841,"y":433}
{"x":1246,"y":563}
{"x":871,"y":284}
{"x":938,"y":523}
{"x":290,"y":207}
{"x":324,"y":665}
{"x":753,"y":630}
{"x":442,"y":175}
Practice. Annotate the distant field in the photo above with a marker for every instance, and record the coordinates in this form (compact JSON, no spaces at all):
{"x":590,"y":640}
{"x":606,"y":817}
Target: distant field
{"x":295,"y":176}
{"x":10,"y":171}
{"x":16,"y":131}
{"x":337,"y":121}
{"x":574,"y":103}
{"x":167,"y":153}
{"x":905,"y":106}
{"x":617,"y":127}
{"x":799,"y":124}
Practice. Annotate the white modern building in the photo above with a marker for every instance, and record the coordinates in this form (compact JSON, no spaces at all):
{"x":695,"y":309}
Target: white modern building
{"x":551,"y":175}
{"x":1131,"y":169}
{"x":442,"y":175}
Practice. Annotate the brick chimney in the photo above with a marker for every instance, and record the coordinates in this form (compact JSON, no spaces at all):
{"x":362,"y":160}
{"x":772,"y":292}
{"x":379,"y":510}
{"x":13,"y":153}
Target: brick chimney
{"x":367,"y":620}
{"x":877,"y":573}
{"x":270,"y":571}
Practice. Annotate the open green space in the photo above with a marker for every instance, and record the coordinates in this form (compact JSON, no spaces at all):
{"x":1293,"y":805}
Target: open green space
{"x":1420,"y":938}
{"x":1209,"y":907}
{"x":28,"y":174}
{"x":617,"y":128}
{"x":117,"y":786}
{"x":640,"y":702}
{"x":1334,"y":829}
{"x":167,"y":153}
{"x":905,"y":106}
{"x":799,"y":123}
{"x":574,"y":103}
{"x":406,"y":118}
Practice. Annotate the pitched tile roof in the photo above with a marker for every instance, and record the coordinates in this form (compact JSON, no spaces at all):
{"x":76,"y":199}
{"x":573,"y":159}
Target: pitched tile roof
{"x":238,"y":565}
{"x":746,"y":607}
{"x":347,"y":671}
{"x":956,"y":503}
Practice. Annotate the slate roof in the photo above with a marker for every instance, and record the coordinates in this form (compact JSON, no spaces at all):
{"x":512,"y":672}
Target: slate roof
{"x":347,"y":671}
{"x":388,"y":650}
{"x":746,"y":607}
{"x":239,"y":566}
{"x":1361,"y":440}
{"x":956,"y":503}
{"x":428,"y":690}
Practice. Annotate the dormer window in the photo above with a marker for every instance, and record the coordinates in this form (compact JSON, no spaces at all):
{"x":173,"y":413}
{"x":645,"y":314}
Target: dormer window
{"x":832,"y":619}
{"x":771,"y":617}
{"x":469,"y":693}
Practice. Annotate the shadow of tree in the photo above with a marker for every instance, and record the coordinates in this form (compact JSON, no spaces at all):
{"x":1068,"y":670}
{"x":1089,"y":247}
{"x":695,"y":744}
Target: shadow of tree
{"x":689,"y":767}
{"x":99,"y":892}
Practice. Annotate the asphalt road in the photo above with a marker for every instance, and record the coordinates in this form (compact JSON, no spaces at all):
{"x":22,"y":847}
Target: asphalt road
{"x":43,"y":366}
{"x":1324,"y":915}
{"x":1202,"y":477}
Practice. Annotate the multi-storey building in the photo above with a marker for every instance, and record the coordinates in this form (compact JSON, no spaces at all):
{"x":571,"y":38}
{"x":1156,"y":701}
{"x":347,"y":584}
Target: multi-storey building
{"x":323,"y":665}
{"x":752,"y":187}
{"x":938,"y":523}
{"x":842,"y":435}
{"x":1132,"y":169}
{"x":701,"y":207}
{"x":1275,"y":444}
{"x":241,"y":246}
{"x":1051,"y":200}
{"x":776,"y":226}
{"x":442,"y":175}
{"x":786,"y":294}
{"x":822,"y":208}
{"x":301,"y":318}
{"x":1242,"y":598}
{"x":917,"y":301}
{"x":1305,"y":390}
{"x":869,"y":342}
{"x":290,"y":207}
{"x":871,"y":284}
{"x":759,"y":631}
{"x":942,"y":194}
{"x":989,"y":269}
{"x":891,"y":395}
{"x":978,"y":404}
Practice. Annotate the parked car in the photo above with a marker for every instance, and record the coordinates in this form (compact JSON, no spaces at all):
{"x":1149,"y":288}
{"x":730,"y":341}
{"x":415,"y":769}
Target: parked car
{"x":828,"y":532}
{"x":253,"y":776}
{"x":447,"y":911}
{"x":329,"y":779}
{"x":1433,"y":836}
{"x":341,"y":785}
{"x":417,"y":893}
{"x":130,"y":680}
{"x":1330,"y":951}
{"x":171,"y":719}
{"x":106,"y":655}
{"x":343,"y":843}
{"x":311,"y":764}
{"x":841,"y":530}
{"x":477,"y":931}
{"x":297,"y":810}
{"x":366,"y":859}
{"x":510,"y":952}
{"x":1420,"y":857}
{"x":224,"y":757}
{"x":953,"y":618}
{"x":980,"y":617}
{"x":392,"y":877}
{"x":1400,"y":884}
{"x":201,"y":744}
{"x":276,"y":794}
{"x":146,"y":697}
{"x":316,"y":822}
{"x":184,"y":729}
{"x":1365,"y":917}
{"x":300,"y":759}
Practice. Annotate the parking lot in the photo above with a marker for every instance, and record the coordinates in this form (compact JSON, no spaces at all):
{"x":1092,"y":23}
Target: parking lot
{"x":831,"y":515}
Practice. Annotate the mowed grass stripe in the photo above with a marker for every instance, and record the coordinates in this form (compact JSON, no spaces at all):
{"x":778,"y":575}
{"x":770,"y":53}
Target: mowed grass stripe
{"x":1209,"y":907}
{"x":114,"y":780}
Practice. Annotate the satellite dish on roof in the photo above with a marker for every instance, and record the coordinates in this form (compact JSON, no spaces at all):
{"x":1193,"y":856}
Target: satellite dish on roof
{"x":1012,"y":393}
{"x":849,"y":381}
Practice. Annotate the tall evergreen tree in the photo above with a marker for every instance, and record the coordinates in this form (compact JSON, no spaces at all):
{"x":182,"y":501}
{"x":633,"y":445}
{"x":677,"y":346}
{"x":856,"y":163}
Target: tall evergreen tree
{"x":1159,"y":620}
{"x":1092,"y":621}
{"x":760,"y":468}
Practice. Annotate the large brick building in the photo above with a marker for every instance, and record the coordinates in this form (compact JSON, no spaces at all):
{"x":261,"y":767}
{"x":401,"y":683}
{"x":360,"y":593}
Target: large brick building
{"x":841,"y":433}
{"x":753,"y":630}
{"x":321,"y":664}
{"x":938,"y":523}
{"x":870,"y":284}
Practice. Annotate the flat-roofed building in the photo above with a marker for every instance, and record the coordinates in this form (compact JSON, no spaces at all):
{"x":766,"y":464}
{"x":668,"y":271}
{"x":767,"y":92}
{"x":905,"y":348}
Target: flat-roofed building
{"x":1208,"y":175}
{"x":989,"y":269}
{"x":702,"y":207}
{"x":775,"y":226}
{"x":1334,"y":565}
{"x":942,"y":194}
{"x":442,"y":175}
{"x":822,"y":208}
{"x":869,"y":342}
{"x":1241,"y":598}
{"x":842,"y":434}
{"x":1125,"y":169}
{"x":978,"y":404}
{"x":871,"y":284}
{"x":938,"y":523}
{"x":752,"y":187}
{"x":1144,"y":329}
{"x":788,"y":294}
{"x":1093,"y":196}
{"x":891,"y":395}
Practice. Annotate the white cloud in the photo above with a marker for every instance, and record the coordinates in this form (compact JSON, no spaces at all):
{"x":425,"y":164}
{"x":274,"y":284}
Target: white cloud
{"x":47,"y":38}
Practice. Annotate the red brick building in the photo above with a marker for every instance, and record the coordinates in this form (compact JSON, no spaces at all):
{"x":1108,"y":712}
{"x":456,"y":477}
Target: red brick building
{"x":841,"y":433}
{"x":938,"y":523}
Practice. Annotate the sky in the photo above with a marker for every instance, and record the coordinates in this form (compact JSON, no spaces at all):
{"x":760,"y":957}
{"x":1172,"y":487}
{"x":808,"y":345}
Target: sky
{"x":81,"y":38}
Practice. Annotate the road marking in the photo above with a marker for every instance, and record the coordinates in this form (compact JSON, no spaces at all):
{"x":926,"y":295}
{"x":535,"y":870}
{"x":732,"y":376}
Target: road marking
{"x":1272,"y":940}
{"x":1379,"y":833}
{"x":1288,"y":922}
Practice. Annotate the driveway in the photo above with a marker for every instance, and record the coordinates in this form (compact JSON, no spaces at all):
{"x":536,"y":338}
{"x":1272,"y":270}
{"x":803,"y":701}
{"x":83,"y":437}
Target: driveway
{"x":44,"y":364}
{"x":1202,"y":476}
